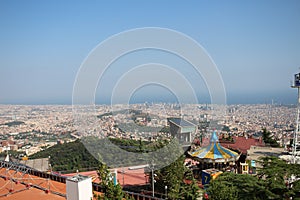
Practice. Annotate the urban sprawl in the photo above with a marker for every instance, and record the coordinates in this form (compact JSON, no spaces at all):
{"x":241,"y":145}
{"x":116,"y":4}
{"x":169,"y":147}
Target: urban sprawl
{"x":32,"y":128}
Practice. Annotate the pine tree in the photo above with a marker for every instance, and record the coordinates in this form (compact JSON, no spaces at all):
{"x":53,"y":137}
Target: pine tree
{"x":189,"y":191}
{"x":275,"y":173}
{"x":237,"y":186}
{"x":270,"y":182}
{"x":268,"y":139}
{"x":111,"y":191}
{"x":173,"y":176}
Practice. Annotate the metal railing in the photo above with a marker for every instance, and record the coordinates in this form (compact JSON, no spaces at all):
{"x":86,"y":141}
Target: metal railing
{"x":62,"y":179}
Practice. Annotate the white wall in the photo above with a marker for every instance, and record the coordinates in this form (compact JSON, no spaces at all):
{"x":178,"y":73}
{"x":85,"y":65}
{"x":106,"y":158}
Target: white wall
{"x":79,"y":190}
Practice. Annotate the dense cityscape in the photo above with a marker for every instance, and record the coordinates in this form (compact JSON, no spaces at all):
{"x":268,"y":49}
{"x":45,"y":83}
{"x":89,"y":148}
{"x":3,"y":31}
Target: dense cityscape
{"x":45,"y":125}
{"x":149,"y":100}
{"x":32,"y":130}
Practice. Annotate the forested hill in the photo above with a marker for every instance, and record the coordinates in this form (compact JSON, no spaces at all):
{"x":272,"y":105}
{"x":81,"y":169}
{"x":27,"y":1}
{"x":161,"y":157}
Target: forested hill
{"x":70,"y":156}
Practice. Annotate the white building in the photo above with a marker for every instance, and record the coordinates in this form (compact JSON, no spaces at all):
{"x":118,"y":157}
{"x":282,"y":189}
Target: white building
{"x":79,"y":187}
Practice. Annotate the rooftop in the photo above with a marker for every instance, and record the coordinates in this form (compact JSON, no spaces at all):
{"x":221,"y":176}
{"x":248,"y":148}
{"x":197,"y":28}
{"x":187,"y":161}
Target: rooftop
{"x":16,"y":185}
{"x":126,"y":176}
{"x":78,"y":178}
{"x":254,"y":153}
{"x":20,"y":182}
{"x":181,"y":122}
{"x":214,"y":152}
{"x":242,"y":144}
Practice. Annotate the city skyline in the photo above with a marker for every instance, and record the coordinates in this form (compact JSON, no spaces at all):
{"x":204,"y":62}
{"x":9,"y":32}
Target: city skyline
{"x":255,"y":46}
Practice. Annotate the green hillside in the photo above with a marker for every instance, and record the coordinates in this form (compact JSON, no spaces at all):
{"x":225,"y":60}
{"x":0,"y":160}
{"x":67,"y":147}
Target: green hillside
{"x":72,"y":156}
{"x":68,"y":157}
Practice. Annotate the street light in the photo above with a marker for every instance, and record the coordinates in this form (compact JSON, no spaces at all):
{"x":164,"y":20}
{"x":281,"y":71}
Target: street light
{"x":153,"y":181}
{"x":123,"y":172}
{"x":166,"y":191}
{"x":152,"y":176}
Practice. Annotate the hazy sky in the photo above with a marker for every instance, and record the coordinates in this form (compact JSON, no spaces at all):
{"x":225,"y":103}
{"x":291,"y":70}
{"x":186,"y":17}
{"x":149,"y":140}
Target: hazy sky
{"x":255,"y":44}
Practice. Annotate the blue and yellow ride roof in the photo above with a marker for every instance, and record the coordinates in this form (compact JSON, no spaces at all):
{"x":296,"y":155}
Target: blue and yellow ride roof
{"x":214,"y":152}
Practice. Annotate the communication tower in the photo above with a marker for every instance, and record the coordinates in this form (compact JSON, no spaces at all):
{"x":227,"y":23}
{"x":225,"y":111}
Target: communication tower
{"x":297,"y":129}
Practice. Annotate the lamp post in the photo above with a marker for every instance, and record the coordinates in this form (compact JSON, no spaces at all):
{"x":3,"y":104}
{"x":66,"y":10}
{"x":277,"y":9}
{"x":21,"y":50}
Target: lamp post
{"x":152,"y":176}
{"x":152,"y":181}
{"x":166,"y":191}
{"x":123,"y":172}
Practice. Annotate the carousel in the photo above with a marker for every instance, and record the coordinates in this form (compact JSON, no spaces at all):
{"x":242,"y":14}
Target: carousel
{"x":215,"y":156}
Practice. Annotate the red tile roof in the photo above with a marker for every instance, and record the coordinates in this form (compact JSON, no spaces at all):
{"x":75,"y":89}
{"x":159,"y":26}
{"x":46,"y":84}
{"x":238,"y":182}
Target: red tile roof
{"x":18,"y":186}
{"x":20,"y":189}
{"x":242,"y":144}
{"x":131,"y":177}
{"x":22,"y":186}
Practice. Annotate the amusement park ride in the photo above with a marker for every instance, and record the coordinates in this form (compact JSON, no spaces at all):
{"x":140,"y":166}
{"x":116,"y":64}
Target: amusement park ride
{"x":295,"y":146}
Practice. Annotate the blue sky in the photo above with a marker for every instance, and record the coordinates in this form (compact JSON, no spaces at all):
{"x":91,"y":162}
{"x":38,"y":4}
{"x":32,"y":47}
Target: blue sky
{"x":255,"y":44}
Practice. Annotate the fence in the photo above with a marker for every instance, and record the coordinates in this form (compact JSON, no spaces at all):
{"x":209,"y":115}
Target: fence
{"x":62,"y":179}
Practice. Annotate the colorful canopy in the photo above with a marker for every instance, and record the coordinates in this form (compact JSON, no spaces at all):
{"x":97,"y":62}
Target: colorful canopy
{"x":214,"y":152}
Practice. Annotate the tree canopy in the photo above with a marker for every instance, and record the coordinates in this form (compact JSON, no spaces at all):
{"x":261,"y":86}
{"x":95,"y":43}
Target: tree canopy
{"x":276,"y":174}
{"x":74,"y":156}
{"x":111,"y":191}
{"x":271,"y":182}
{"x":70,"y":156}
{"x":232,"y":186}
{"x":175,"y":177}
{"x":268,"y":139}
